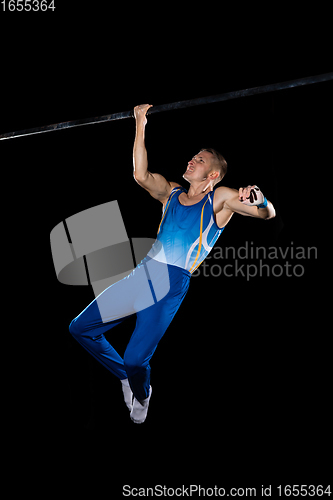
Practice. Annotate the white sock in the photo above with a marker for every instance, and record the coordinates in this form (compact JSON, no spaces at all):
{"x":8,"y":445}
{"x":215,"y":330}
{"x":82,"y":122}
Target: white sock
{"x":128,"y":394}
{"x":140,"y":409}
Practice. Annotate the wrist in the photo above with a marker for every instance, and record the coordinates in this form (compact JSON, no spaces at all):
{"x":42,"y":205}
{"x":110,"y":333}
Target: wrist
{"x":263,"y":204}
{"x":141,"y":123}
{"x":140,"y":130}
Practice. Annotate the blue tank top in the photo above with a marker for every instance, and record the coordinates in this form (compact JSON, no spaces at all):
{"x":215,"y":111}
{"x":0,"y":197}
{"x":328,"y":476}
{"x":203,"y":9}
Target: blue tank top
{"x":186,"y":234}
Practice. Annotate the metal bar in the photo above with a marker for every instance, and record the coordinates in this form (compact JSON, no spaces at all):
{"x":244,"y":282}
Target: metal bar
{"x":174,"y":105}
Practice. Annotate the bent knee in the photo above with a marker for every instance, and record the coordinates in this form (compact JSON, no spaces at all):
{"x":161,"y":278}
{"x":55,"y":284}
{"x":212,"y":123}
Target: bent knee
{"x":75,"y":328}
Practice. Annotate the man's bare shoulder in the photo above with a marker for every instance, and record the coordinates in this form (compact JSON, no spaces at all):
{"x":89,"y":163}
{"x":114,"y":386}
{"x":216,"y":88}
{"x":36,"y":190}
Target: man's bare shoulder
{"x":174,"y":184}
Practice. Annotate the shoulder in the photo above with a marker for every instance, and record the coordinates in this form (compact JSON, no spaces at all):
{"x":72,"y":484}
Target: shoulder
{"x":174,"y":185}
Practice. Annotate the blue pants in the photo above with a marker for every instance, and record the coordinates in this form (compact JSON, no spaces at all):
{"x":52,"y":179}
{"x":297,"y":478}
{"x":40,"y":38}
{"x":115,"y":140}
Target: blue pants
{"x":154,"y":292}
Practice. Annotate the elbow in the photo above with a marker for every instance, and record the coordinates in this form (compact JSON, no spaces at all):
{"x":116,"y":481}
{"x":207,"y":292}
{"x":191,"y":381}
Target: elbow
{"x":271,"y":213}
{"x":139,"y":178}
{"x":136,"y":174}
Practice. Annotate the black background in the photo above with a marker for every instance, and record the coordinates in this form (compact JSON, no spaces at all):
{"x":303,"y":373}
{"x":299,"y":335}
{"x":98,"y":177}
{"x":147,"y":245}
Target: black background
{"x":245,"y":396}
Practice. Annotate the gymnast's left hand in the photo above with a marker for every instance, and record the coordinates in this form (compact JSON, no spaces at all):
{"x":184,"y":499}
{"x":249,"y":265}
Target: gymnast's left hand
{"x":251,"y":196}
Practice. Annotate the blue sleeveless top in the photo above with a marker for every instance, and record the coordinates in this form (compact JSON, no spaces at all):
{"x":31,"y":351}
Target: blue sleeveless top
{"x":186,"y":234}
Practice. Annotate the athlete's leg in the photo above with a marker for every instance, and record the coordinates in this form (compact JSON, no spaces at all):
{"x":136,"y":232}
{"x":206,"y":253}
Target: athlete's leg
{"x":150,"y":327}
{"x":117,"y":302}
{"x":88,"y":329}
{"x":135,"y":293}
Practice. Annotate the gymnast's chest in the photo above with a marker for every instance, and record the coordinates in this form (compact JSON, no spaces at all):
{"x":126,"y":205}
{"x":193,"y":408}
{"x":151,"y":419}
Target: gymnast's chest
{"x":180,"y":217}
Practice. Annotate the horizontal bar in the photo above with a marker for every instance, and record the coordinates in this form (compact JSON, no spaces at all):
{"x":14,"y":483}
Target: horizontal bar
{"x":64,"y":125}
{"x":242,"y":93}
{"x":174,"y":105}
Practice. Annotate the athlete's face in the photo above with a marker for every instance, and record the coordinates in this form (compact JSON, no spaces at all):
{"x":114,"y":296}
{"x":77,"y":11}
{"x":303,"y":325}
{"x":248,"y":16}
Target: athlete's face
{"x":199,"y":167}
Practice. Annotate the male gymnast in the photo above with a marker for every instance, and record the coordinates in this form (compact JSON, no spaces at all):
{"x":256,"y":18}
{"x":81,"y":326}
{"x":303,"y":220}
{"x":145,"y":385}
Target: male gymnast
{"x":191,"y":223}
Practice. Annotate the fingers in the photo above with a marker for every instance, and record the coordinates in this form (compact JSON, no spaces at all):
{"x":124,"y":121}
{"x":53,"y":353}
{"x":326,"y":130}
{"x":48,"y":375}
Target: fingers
{"x":143,"y":106}
{"x":142,"y":109}
{"x":244,"y":193}
{"x":248,"y":194}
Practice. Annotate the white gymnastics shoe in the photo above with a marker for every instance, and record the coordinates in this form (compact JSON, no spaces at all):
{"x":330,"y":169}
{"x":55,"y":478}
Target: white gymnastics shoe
{"x":128,"y":394}
{"x":140,"y":409}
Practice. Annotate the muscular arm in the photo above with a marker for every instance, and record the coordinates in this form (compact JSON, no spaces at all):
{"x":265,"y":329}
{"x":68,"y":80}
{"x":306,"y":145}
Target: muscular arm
{"x":228,"y":201}
{"x":155,"y":184}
